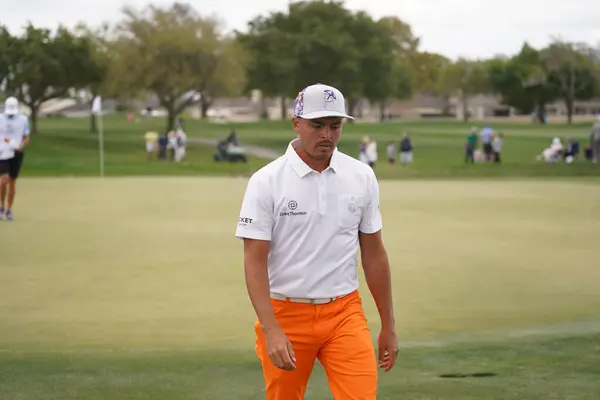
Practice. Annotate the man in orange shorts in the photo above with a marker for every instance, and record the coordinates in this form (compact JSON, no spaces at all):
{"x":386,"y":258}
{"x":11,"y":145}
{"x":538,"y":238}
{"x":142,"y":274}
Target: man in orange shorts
{"x":303,"y":218}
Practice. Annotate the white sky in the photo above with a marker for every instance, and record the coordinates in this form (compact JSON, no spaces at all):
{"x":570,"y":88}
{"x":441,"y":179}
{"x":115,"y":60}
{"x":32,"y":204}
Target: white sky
{"x":470,"y":28}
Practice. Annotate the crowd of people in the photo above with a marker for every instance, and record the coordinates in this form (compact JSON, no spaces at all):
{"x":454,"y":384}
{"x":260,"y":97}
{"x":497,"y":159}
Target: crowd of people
{"x":368,"y":151}
{"x":484,"y":145}
{"x":569,"y":151}
{"x":170,"y":146}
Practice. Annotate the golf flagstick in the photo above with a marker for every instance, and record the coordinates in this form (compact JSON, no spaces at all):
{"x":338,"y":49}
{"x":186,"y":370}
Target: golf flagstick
{"x":97,"y":110}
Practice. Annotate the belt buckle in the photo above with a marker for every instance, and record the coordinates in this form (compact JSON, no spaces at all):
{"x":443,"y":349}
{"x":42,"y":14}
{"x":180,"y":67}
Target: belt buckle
{"x":325,"y":300}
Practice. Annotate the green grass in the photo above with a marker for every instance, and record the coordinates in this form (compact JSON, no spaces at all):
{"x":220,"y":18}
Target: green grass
{"x":132,"y":288}
{"x":65,"y":148}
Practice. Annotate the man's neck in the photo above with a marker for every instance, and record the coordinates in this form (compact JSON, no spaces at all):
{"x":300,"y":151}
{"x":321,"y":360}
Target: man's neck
{"x":317,"y":165}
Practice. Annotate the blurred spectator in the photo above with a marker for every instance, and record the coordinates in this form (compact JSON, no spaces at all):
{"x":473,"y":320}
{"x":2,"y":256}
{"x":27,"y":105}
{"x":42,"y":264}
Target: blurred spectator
{"x":163,"y":142}
{"x":172,"y":144}
{"x":497,"y":144}
{"x":362,"y":152}
{"x":552,"y":153}
{"x":471,"y":145}
{"x":406,"y":150}
{"x":571,"y":150}
{"x":391,"y":152}
{"x":232,"y":138}
{"x":181,"y":140}
{"x":151,"y":138}
{"x":371,"y":152}
{"x":487,"y":134}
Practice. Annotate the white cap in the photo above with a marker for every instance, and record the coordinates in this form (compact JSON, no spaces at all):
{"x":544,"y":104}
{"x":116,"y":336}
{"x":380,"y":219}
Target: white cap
{"x":320,"y":101}
{"x":11,"y":106}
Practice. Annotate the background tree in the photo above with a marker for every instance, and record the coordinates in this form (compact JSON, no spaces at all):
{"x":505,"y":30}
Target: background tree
{"x":175,"y":54}
{"x":523,"y":82}
{"x":326,"y":42}
{"x":271,"y":58}
{"x":463,"y":78}
{"x":385,"y":61}
{"x":571,"y":71}
{"x":427,"y":69}
{"x":44,"y":66}
{"x":97,"y":64}
{"x":326,"y":47}
{"x":6,"y":42}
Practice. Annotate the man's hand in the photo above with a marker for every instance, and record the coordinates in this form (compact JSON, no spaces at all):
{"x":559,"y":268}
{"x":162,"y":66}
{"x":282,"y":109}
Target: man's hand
{"x":280,"y":349}
{"x":388,"y":349}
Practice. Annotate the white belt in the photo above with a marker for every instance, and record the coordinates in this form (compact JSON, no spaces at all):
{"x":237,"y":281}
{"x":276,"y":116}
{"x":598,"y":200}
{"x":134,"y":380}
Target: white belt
{"x":323,"y":300}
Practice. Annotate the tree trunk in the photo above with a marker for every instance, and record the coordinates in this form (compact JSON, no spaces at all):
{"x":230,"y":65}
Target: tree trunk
{"x":352,"y":104}
{"x":283,"y":105}
{"x":446,"y":101}
{"x":381,"y":111}
{"x":541,"y":113}
{"x":465,"y":104}
{"x":171,"y":115}
{"x":264,"y":113}
{"x":34,"y":118}
{"x":569,"y":104}
{"x":204,"y":106}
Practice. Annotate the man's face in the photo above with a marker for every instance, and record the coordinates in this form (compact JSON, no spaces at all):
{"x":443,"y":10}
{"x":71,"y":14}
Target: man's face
{"x":318,"y":137}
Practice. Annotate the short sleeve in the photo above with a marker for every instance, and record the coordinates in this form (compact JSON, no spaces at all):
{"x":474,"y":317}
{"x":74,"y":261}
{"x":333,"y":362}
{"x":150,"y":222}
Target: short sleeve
{"x":371,"y":219}
{"x":256,"y":215}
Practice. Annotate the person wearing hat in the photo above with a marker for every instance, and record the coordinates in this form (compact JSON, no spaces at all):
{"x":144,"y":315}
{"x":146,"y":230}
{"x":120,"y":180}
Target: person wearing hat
{"x":302,"y":220}
{"x":14,"y":136}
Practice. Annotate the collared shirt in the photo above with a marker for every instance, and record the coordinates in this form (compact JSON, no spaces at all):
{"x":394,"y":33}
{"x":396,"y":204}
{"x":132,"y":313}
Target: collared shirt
{"x":312,"y":221}
{"x":486,"y":135}
{"x":12,"y":130}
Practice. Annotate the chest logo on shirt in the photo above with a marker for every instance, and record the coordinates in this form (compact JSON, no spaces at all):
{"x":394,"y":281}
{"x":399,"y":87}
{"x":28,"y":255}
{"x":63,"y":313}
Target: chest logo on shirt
{"x":352,"y":208}
{"x":292,"y":205}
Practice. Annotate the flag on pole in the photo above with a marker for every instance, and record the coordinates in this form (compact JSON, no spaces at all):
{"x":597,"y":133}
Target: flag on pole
{"x":97,"y":110}
{"x":97,"y":105}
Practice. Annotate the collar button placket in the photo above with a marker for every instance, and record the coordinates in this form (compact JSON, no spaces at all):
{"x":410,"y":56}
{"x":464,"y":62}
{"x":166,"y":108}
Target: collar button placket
{"x":322,"y":193}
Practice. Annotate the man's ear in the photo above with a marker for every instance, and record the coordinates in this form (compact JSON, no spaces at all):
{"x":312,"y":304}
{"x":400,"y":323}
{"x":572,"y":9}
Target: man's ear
{"x":296,"y":124}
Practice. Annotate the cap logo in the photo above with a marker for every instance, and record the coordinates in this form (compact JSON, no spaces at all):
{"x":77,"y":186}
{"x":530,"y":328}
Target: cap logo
{"x":329,"y":96}
{"x":299,"y":104}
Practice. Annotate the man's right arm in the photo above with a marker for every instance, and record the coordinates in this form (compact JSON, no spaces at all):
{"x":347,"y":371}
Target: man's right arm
{"x":255,"y":226}
{"x":256,"y":253}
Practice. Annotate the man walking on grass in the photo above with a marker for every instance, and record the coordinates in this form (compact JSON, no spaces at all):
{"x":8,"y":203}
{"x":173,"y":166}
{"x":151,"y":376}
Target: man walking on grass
{"x":303,"y":218}
{"x":14,"y":136}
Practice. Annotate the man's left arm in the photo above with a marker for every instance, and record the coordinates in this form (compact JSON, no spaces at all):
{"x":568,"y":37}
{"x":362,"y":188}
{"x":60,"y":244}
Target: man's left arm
{"x":26,"y":135}
{"x":377,"y":274}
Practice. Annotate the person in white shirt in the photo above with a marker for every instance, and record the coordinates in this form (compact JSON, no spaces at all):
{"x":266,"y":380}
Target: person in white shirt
{"x":180,"y":142}
{"x":371,"y":152}
{"x":362,"y":154}
{"x":303,"y":218}
{"x":14,"y":136}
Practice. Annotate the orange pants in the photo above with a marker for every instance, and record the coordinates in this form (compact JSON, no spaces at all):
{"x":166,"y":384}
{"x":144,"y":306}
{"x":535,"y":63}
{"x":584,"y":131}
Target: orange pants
{"x":337,"y":334}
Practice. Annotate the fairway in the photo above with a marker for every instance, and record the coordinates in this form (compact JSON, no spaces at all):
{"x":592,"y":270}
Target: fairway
{"x":133,"y":288}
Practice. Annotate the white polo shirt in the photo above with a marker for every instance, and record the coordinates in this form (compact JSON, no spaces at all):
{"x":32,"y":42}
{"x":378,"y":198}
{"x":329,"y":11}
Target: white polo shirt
{"x":312,"y":221}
